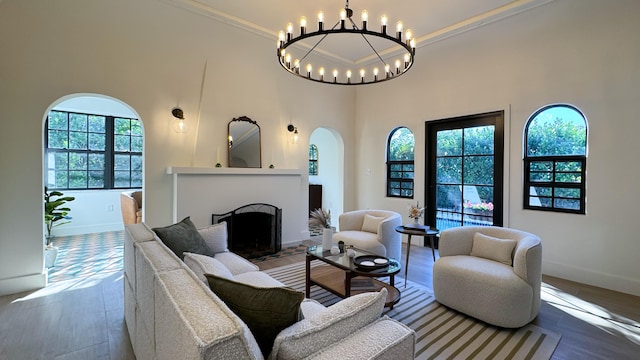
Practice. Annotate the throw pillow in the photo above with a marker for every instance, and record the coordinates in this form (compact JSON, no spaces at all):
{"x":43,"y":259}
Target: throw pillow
{"x":202,"y":264}
{"x":493,"y":248}
{"x":215,"y":236}
{"x":320,"y":330}
{"x":370,"y":223}
{"x":183,"y":237}
{"x":266,"y":311}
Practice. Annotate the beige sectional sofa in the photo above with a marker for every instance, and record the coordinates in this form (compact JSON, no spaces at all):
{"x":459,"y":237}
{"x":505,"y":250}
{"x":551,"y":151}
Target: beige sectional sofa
{"x":171,"y":313}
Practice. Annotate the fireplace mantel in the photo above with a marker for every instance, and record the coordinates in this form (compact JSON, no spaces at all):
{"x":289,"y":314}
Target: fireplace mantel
{"x":199,"y":192}
{"x":231,"y":171}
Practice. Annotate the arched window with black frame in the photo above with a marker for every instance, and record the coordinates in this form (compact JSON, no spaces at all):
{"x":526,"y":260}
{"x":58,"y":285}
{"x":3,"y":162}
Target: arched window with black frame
{"x":313,"y":159}
{"x":555,"y":160}
{"x":400,"y":164}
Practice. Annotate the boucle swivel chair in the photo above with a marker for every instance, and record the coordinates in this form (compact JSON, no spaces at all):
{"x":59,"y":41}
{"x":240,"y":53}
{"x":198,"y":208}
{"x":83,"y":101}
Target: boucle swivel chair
{"x":491,"y":273}
{"x":371,"y":230}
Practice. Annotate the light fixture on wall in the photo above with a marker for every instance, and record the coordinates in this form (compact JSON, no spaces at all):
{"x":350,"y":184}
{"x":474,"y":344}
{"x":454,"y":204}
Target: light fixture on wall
{"x":377,"y":72}
{"x":294,"y":130}
{"x":179,"y":123}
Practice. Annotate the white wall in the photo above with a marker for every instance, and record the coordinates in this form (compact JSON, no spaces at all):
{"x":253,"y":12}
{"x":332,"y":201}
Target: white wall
{"x":92,"y":211}
{"x":152,"y":58}
{"x":582,"y":52}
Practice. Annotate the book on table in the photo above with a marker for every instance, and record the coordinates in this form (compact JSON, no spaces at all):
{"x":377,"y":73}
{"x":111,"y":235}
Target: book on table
{"x":416,"y":227}
{"x":362,"y":284}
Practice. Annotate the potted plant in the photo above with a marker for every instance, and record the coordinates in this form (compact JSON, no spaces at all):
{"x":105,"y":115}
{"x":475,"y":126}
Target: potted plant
{"x":55,"y":214}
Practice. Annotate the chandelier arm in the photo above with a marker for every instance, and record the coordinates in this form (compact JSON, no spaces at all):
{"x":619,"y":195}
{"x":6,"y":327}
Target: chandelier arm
{"x":318,"y":43}
{"x":367,"y":40}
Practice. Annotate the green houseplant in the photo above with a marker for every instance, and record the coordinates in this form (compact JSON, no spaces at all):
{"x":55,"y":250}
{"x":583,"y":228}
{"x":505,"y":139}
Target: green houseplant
{"x":55,"y":211}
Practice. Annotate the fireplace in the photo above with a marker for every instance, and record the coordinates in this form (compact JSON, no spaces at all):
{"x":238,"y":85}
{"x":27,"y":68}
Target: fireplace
{"x":254,"y":230}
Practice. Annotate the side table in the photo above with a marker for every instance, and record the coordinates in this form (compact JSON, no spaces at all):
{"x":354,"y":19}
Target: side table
{"x":419,"y":230}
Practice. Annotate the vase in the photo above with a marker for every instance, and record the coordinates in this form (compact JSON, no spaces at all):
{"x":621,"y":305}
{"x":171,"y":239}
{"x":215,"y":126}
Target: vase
{"x":416,"y":221}
{"x":327,"y":239}
{"x":50,"y":255}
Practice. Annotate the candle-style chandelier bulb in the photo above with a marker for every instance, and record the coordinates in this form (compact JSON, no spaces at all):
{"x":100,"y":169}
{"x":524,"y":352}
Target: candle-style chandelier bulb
{"x":365,"y":17}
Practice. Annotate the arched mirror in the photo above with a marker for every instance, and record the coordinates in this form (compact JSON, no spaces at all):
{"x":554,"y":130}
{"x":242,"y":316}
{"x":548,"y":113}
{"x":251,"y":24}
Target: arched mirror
{"x":244,"y":143}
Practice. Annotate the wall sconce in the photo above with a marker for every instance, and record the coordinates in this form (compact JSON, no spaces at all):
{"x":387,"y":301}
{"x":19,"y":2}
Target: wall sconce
{"x":294,"y":130}
{"x":179,"y":123}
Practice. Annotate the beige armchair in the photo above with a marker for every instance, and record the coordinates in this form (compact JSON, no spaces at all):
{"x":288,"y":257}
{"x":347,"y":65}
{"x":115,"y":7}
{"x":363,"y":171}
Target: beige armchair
{"x":490,"y":273}
{"x":131,"y":207}
{"x":371,"y":230}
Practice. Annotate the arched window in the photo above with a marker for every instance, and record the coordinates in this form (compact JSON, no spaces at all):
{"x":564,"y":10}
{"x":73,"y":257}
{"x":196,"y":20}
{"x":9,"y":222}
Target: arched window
{"x":400,"y":167}
{"x":313,"y":159}
{"x":555,"y":159}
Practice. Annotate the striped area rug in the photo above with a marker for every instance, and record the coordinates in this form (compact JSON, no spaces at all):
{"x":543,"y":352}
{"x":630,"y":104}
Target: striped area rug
{"x":442,"y":333}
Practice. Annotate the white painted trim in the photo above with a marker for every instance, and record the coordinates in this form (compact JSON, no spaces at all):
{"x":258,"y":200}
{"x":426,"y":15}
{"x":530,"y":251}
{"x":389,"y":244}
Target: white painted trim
{"x":23,"y":283}
{"x":474,"y":22}
{"x":590,"y":277}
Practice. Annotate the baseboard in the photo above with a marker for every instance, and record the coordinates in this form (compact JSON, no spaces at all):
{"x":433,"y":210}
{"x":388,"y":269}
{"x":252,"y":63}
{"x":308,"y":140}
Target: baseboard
{"x":22,"y":283}
{"x":69,"y":230}
{"x":594,"y":278}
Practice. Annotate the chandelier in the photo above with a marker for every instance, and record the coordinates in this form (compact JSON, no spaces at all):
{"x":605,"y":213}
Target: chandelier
{"x":375,"y":71}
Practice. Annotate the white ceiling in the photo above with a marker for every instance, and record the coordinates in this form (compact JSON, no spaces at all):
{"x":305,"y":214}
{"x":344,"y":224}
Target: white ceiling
{"x":430,"y":20}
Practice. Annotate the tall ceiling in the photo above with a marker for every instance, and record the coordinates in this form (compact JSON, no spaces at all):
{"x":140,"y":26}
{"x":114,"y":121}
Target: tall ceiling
{"x":430,"y":20}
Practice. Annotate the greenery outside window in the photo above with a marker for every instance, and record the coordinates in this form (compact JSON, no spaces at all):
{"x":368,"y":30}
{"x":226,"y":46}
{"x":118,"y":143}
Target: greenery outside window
{"x":88,"y":151}
{"x":400,"y":163}
{"x":555,"y":160}
{"x":313,"y":159}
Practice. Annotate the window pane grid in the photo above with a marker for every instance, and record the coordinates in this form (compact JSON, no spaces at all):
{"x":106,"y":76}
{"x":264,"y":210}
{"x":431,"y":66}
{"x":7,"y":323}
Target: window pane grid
{"x":313,"y":159}
{"x":400,"y":179}
{"x":80,"y":148}
{"x":555,"y":190}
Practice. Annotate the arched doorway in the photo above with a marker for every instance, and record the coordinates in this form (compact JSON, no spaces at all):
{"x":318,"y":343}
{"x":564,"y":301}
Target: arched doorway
{"x":92,"y":151}
{"x":330,"y":169}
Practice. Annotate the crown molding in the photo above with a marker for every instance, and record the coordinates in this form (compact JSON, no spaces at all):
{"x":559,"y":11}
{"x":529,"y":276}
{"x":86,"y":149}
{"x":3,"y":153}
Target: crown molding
{"x":513,"y":8}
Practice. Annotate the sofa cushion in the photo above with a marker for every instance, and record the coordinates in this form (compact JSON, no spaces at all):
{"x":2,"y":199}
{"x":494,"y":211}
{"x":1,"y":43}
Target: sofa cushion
{"x":266,"y":311}
{"x":321,"y":329}
{"x":236,"y":264}
{"x":202,"y":264}
{"x":183,"y":237}
{"x":370,"y":223}
{"x":493,"y":248}
{"x":258,"y":279}
{"x":215,"y":236}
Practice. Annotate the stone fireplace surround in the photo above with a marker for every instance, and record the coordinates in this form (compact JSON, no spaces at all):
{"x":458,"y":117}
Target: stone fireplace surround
{"x":199,"y":192}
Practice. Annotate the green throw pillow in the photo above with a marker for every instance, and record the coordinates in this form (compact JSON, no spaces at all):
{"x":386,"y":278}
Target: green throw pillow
{"x":183,"y":237}
{"x":266,"y":311}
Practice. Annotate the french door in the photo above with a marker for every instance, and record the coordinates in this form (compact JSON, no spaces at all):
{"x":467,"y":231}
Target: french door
{"x":464,"y":171}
